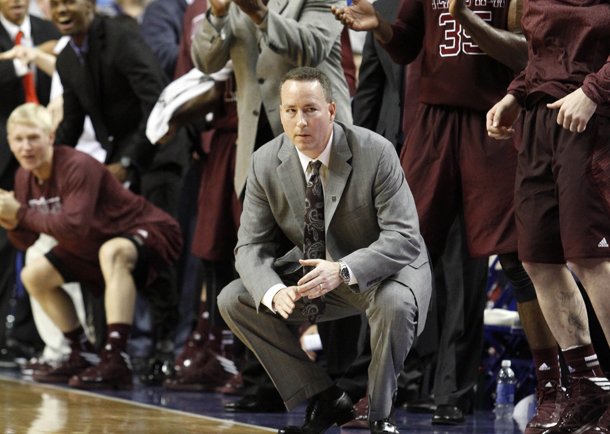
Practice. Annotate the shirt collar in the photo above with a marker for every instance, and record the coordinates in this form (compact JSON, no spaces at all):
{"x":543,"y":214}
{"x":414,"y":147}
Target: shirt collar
{"x":80,"y":51}
{"x":324,"y":156}
{"x":12,"y":29}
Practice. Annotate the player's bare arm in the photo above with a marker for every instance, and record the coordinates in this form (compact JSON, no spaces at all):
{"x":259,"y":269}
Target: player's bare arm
{"x":508,"y":47}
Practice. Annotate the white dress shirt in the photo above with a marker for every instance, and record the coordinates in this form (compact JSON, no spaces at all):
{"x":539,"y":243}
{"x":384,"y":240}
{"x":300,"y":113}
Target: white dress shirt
{"x":12,"y":29}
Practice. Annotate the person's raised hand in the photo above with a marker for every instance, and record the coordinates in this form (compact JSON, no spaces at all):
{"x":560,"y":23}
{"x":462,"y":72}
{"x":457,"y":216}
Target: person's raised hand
{"x":219,"y":7}
{"x":456,"y":8}
{"x":360,"y":15}
{"x":255,"y":9}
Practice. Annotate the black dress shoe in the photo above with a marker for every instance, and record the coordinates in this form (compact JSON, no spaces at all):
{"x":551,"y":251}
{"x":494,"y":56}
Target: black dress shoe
{"x":321,"y":414}
{"x":447,"y":415}
{"x":255,"y":404}
{"x":383,"y":426}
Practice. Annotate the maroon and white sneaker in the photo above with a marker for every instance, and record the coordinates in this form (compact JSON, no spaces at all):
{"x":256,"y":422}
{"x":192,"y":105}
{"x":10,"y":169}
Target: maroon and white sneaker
{"x":195,"y":344}
{"x":588,"y":399}
{"x":76,"y":363}
{"x":233,"y":386}
{"x":37,"y":364}
{"x":550,"y":402}
{"x":204,"y":371}
{"x":602,"y":426}
{"x":113,"y":372}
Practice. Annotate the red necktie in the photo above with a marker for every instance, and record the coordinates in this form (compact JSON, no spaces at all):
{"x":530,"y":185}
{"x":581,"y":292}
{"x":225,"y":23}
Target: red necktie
{"x":28,"y":79}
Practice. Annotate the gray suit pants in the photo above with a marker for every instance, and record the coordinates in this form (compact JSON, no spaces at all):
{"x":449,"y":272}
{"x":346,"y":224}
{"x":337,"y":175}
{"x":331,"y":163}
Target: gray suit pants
{"x":391,"y":310}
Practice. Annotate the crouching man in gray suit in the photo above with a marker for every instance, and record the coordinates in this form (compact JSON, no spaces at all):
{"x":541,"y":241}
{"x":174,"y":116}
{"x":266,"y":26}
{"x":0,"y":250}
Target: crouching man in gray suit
{"x":322,"y":242}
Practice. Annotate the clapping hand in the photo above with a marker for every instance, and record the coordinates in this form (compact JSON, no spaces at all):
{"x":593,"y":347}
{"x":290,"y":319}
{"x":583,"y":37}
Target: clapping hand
{"x":359,"y":16}
{"x":456,"y":7}
{"x":219,"y":7}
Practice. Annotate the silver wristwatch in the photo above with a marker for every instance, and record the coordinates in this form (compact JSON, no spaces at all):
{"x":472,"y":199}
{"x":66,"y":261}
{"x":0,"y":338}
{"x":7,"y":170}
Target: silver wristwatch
{"x":344,"y":272}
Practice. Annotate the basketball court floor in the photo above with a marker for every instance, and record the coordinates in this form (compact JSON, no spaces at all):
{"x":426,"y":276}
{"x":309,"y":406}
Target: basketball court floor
{"x":31,"y":408}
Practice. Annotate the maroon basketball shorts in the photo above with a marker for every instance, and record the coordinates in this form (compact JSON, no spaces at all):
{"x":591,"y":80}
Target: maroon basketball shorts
{"x":157,"y":244}
{"x":452,"y":166}
{"x":563,"y":189}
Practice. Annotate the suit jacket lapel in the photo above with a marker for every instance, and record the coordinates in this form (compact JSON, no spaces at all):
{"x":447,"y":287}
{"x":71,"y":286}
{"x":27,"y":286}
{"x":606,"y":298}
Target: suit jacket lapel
{"x":6,"y":43}
{"x":292,"y":179}
{"x":338,"y":173}
{"x":93,"y":57}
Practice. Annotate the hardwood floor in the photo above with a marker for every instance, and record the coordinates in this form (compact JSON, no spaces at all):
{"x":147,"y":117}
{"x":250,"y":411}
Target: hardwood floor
{"x":32,"y":409}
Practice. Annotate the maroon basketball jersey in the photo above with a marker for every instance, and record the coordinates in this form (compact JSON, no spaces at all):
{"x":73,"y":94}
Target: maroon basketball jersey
{"x":569,"y":47}
{"x":455,"y":71}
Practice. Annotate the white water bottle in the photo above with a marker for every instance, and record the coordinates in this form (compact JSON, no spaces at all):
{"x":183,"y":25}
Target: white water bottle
{"x":505,"y":392}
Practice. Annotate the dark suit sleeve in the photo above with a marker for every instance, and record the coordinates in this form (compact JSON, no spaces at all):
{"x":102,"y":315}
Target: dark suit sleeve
{"x":71,"y":126}
{"x":8,"y":77}
{"x":138,"y":64}
{"x":366,"y":105}
{"x":161,"y":29}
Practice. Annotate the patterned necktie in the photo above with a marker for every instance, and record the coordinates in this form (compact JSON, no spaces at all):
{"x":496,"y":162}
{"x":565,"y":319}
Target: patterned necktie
{"x":29,"y":89}
{"x":314,"y":244}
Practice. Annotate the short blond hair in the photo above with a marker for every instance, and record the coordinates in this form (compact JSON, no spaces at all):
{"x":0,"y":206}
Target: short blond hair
{"x":33,"y":115}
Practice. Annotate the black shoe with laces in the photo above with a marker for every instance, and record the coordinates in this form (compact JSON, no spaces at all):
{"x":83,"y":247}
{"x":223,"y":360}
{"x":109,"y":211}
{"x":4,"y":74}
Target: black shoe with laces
{"x":328,"y":408}
{"x":384,"y":426}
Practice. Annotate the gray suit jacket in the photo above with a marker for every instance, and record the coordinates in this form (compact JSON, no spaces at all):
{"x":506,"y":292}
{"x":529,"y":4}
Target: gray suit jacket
{"x":371,"y":221}
{"x":295,"y":33}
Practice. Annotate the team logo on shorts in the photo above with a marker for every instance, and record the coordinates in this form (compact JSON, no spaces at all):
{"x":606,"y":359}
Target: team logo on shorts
{"x":603,"y":243}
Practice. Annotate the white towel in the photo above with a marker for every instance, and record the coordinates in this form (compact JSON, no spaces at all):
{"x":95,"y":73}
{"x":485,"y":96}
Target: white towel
{"x":178,"y":92}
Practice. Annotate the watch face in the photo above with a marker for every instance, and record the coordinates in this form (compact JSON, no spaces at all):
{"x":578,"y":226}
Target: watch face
{"x":344,"y":273}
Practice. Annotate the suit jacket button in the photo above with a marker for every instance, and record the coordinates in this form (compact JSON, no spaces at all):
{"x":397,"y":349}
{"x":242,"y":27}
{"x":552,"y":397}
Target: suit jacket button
{"x":261,"y":80}
{"x":255,"y":112}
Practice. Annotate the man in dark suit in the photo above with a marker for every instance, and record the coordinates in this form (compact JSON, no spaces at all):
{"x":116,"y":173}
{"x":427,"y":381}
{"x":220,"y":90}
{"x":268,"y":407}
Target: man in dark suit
{"x":14,"y":17}
{"x":110,"y":74}
{"x":363,"y":248}
{"x":378,"y":103}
